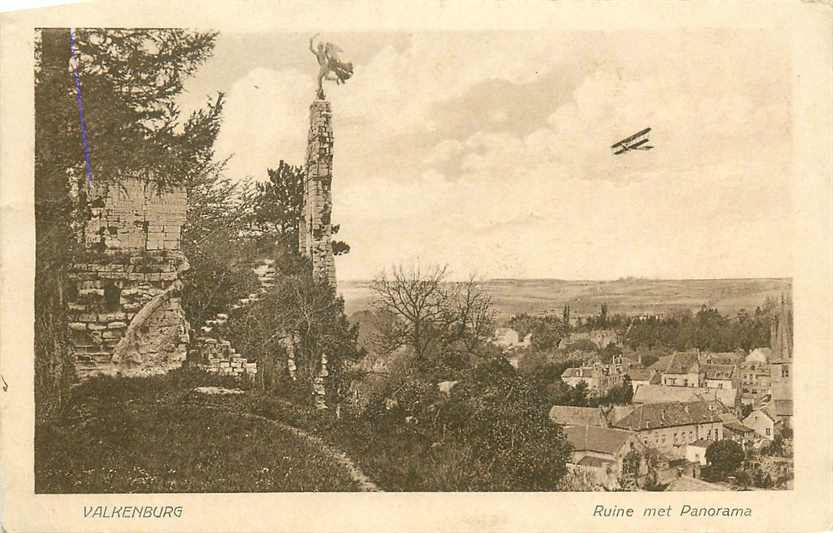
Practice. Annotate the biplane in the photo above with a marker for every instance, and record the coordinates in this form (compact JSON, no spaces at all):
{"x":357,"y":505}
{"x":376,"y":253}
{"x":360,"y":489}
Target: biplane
{"x":637,"y":141}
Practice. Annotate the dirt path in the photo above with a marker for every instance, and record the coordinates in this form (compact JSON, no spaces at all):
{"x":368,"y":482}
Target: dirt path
{"x":361,"y":479}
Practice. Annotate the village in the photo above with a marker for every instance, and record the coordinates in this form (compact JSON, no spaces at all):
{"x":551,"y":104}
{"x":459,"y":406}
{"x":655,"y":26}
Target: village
{"x":677,"y":409}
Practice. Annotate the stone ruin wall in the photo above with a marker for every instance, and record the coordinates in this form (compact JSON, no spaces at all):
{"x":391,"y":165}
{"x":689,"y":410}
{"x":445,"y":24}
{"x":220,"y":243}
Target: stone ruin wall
{"x":124,"y":309}
{"x":316,"y":228}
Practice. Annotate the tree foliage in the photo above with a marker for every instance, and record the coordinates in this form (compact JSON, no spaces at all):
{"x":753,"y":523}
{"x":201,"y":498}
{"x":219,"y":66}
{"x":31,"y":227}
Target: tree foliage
{"x":307,"y":313}
{"x":547,"y":330}
{"x":707,"y":330}
{"x":218,"y":249}
{"x":278,"y":203}
{"x":129,"y":81}
{"x":494,"y":426}
{"x":724,"y":457}
{"x":504,"y":419}
{"x":277,"y":208}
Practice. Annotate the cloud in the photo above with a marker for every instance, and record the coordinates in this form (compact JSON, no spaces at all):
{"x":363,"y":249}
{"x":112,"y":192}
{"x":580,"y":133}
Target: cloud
{"x":491,"y":152}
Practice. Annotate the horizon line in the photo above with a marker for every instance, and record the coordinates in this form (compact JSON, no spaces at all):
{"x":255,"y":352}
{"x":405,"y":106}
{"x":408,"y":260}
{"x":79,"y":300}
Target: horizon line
{"x":601,"y":280}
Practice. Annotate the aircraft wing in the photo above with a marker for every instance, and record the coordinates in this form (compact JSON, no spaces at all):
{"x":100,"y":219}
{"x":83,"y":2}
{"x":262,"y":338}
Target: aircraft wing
{"x":627,"y":140}
{"x":637,"y":144}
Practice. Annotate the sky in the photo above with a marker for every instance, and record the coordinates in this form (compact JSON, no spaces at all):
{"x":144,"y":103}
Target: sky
{"x":490,"y":152}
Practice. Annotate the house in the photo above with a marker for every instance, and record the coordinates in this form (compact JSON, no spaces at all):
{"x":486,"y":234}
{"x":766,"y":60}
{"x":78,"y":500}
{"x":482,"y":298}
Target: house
{"x":664,"y":393}
{"x":783,"y":410}
{"x":682,"y":370}
{"x":660,"y":364}
{"x":604,"y":450}
{"x":639,"y":376}
{"x":616,"y":412}
{"x":759,"y":355}
{"x":695,"y":452}
{"x":719,"y":376}
{"x":569,"y":416}
{"x":575,"y":375}
{"x":599,"y":378}
{"x":722,"y":358}
{"x":669,"y":426}
{"x":755,"y":381}
{"x":733,"y":429}
{"x":601,"y":338}
{"x":510,"y":339}
{"x":763,"y":422}
{"x":574,"y":338}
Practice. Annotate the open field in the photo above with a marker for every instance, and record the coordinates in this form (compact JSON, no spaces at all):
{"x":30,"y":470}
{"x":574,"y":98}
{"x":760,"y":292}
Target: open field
{"x":630,"y":296}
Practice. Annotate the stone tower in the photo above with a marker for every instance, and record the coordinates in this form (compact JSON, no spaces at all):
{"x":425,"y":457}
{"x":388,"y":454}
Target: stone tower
{"x":781,"y":338}
{"x":316,"y":229}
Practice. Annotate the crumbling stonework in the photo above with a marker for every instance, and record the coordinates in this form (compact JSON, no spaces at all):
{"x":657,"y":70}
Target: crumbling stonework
{"x":218,"y":357}
{"x":211,"y":351}
{"x":124,"y":308}
{"x":316,"y":227}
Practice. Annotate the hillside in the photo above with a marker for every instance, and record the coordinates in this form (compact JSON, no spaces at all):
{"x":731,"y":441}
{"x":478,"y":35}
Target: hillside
{"x":631,"y":296}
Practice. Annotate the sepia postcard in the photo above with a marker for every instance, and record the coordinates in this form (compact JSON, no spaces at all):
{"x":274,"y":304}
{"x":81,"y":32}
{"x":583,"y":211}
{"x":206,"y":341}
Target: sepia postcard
{"x":453,"y":266}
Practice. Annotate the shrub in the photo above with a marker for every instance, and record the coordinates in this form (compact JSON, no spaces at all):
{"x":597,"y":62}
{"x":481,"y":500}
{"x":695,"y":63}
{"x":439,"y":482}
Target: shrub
{"x":724,"y":456}
{"x":743,"y":478}
{"x":504,"y":419}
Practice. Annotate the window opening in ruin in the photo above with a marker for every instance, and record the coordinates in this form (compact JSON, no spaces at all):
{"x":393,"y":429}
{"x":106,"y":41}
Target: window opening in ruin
{"x":112,"y":298}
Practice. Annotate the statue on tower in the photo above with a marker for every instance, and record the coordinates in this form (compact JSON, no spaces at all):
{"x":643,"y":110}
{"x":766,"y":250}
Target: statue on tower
{"x":331,"y":67}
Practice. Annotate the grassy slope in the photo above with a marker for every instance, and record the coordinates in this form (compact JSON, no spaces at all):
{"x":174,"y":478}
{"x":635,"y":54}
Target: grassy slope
{"x":140,"y":436}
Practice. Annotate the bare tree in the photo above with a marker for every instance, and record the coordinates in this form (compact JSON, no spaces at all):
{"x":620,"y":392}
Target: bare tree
{"x":472,"y":317}
{"x":418,"y":299}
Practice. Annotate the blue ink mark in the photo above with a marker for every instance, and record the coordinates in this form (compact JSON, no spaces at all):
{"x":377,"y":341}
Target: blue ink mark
{"x":80,"y":109}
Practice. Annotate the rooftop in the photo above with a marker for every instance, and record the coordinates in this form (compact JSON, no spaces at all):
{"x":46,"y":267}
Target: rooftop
{"x":733,"y":423}
{"x":596,"y":439}
{"x":639,"y":374}
{"x":714,"y":371}
{"x":666,"y":393}
{"x":722,"y":358}
{"x":578,"y":372}
{"x":596,"y":462}
{"x":681,"y":363}
{"x":670,"y":414}
{"x":577,"y":416}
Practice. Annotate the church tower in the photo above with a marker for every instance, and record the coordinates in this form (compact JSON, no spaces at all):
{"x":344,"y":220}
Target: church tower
{"x":781,"y":343}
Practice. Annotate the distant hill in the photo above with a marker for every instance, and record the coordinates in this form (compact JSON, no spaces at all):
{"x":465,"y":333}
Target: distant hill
{"x":630,"y":296}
